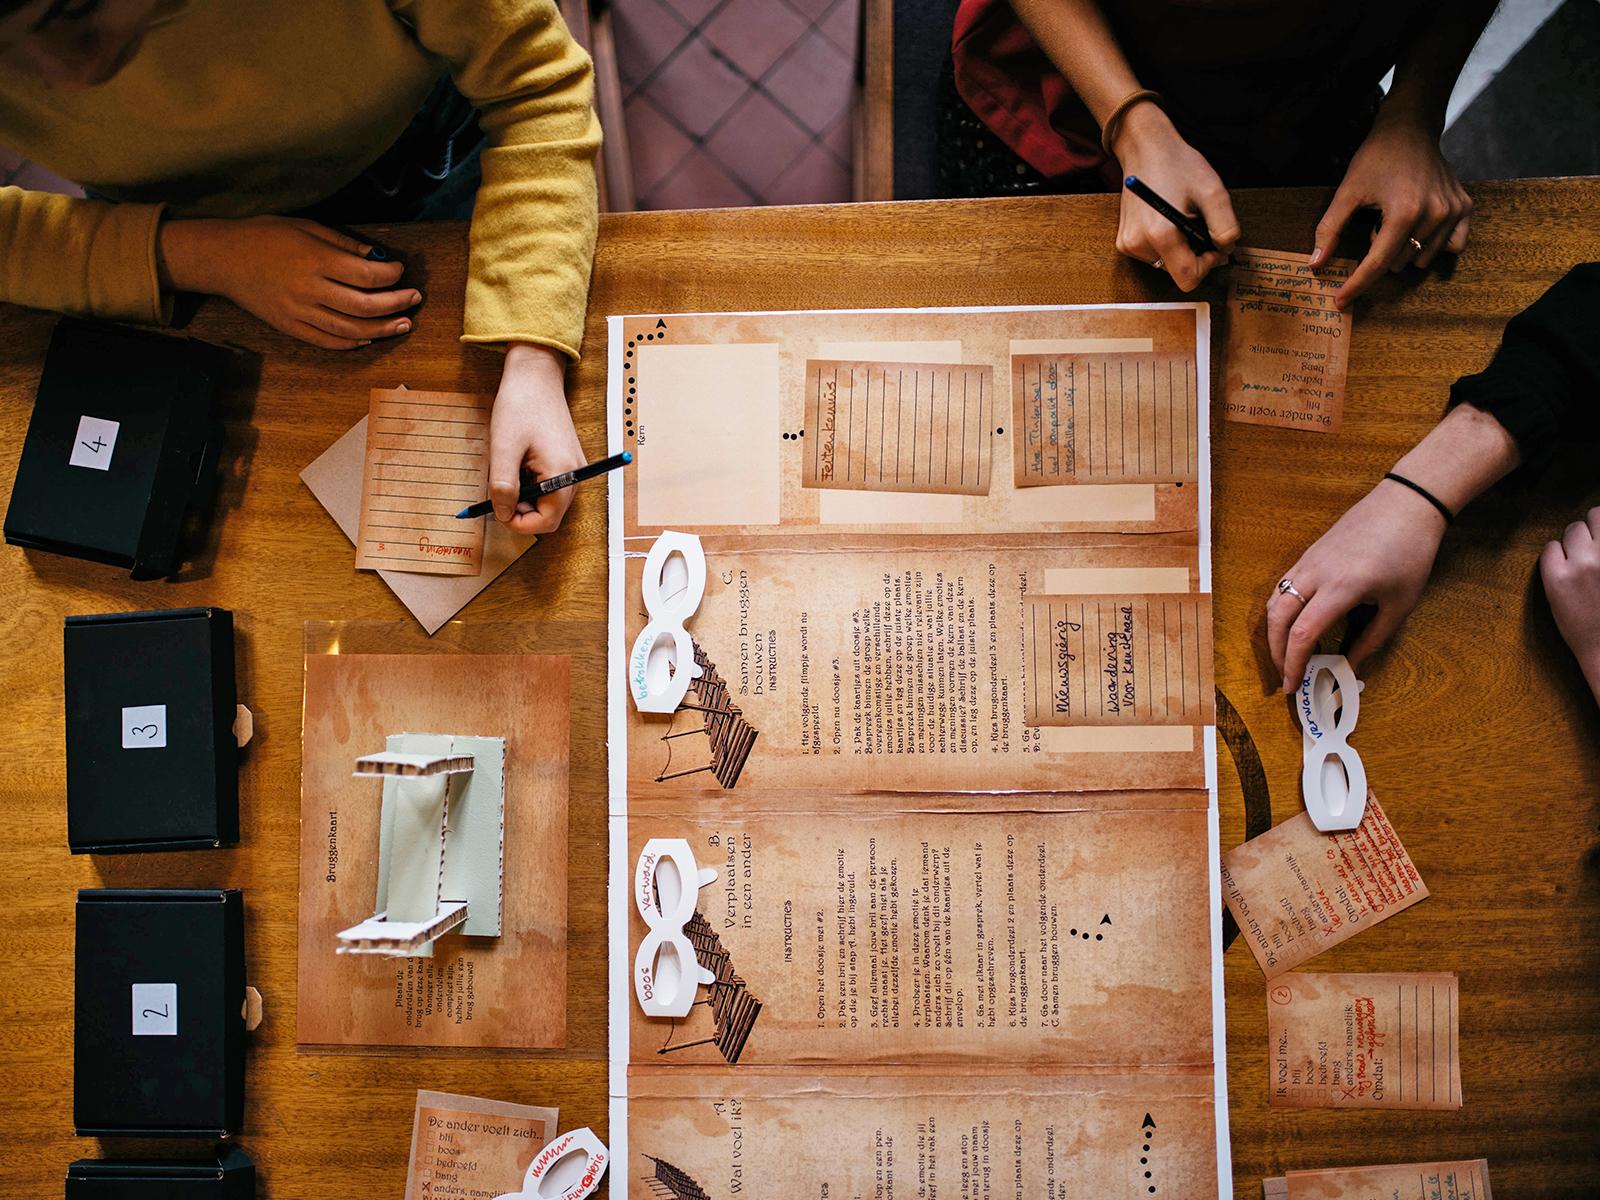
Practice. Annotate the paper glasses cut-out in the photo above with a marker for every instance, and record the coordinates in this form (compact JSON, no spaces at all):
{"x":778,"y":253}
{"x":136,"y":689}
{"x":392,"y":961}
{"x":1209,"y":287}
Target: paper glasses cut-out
{"x":1333,"y":778}
{"x":662,"y":664}
{"x":666,"y":887}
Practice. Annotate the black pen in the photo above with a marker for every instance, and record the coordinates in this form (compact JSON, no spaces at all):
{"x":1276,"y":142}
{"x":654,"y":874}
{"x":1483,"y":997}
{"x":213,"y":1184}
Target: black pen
{"x":1192,"y":228}
{"x":533,"y":487}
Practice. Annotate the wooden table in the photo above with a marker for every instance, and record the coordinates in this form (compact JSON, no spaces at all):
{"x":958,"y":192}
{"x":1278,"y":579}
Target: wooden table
{"x":1476,"y":730}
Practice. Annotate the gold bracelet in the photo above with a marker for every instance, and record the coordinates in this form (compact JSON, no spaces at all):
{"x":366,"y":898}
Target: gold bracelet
{"x":1109,"y":131}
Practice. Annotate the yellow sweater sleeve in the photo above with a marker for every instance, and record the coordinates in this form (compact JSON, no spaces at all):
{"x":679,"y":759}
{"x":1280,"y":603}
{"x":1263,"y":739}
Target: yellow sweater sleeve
{"x":534,"y":222}
{"x":79,"y":256}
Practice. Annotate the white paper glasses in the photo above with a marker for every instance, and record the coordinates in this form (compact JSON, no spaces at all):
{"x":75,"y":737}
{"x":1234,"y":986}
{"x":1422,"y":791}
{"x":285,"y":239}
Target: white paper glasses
{"x":1332,"y":777}
{"x":666,"y":888}
{"x":662,"y":665}
{"x":569,"y":1168}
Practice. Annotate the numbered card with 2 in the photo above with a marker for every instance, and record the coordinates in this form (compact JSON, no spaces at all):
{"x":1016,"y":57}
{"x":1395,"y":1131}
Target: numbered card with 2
{"x":155,"y":1010}
{"x":1364,"y":1041}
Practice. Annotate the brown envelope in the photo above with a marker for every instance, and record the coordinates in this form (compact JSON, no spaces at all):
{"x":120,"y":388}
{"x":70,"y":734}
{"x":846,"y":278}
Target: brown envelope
{"x":335,"y":480}
{"x":1364,"y":1041}
{"x":1295,"y":891}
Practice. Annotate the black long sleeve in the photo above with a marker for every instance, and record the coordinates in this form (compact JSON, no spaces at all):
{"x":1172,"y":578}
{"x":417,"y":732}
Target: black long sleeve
{"x":1544,"y":382}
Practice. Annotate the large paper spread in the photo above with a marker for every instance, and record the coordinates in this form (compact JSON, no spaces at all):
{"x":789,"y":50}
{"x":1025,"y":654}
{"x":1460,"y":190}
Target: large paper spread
{"x":953,"y":936}
{"x":335,"y":479}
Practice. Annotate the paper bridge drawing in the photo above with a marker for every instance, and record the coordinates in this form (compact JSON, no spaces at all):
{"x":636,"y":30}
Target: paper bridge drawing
{"x":667,"y":1181}
{"x":733,"y":1009}
{"x":728,"y":735}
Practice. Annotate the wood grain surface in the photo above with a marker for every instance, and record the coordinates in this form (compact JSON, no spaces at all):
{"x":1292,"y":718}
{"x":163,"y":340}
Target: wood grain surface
{"x":1476,"y":729}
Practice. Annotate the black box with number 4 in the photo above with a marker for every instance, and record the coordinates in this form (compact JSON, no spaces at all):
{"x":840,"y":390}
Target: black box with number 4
{"x":152,"y":759}
{"x":122,"y":446}
{"x":159,"y":1021}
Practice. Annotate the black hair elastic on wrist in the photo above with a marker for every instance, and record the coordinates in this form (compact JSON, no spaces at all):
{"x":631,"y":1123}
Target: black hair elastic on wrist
{"x":1444,"y":512}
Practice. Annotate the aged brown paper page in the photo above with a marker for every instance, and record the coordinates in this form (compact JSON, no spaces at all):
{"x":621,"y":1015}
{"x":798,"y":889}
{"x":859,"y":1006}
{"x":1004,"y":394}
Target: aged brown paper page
{"x":1295,"y":890}
{"x":714,"y":407}
{"x":1140,"y":659}
{"x":1288,"y":347}
{"x":895,"y":669}
{"x":1104,"y":418}
{"x":427,"y":459}
{"x":1025,"y":939}
{"x":1463,"y":1180}
{"x":888,"y":1133}
{"x":898,"y":427}
{"x":1364,"y":1041}
{"x":471,"y":1149}
{"x":479,"y":991}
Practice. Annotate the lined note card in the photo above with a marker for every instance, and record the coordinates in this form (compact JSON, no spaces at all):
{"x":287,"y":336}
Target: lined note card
{"x":898,"y":427}
{"x":427,"y":459}
{"x":1466,"y":1179}
{"x":1104,"y":418}
{"x":1295,"y":890}
{"x":1142,"y":659}
{"x":1288,"y":346}
{"x":1364,"y":1041}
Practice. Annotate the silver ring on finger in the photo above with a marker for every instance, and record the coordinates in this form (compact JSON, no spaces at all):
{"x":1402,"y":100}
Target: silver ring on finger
{"x":1159,"y":264}
{"x":1286,"y":588}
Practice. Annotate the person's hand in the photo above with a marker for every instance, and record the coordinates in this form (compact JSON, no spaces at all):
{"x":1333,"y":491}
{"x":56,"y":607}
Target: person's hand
{"x":1399,"y":171}
{"x":1380,"y":552}
{"x":1148,"y":146}
{"x":303,"y":279}
{"x":531,"y":427}
{"x":1571,"y":572}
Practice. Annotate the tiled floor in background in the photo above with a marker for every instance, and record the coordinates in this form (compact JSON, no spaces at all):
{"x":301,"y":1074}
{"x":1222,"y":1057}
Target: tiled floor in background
{"x":733,"y":102}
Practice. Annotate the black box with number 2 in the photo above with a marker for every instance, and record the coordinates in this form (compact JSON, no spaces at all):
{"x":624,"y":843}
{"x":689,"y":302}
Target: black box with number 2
{"x":159,"y":1024}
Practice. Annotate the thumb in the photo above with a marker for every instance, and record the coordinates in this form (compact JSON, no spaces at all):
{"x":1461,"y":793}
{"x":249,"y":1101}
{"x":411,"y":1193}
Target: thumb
{"x":1382,"y":627}
{"x":505,"y":477}
{"x":1332,"y":224}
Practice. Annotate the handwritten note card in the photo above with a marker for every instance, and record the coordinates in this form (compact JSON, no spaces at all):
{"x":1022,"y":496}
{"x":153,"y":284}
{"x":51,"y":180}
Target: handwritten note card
{"x":1364,"y":1041}
{"x":1142,"y":659}
{"x":1103,"y":418}
{"x":1288,"y":346}
{"x":1463,"y":1180}
{"x":1295,"y":890}
{"x":898,"y":427}
{"x":427,"y":459}
{"x":473,"y":1149}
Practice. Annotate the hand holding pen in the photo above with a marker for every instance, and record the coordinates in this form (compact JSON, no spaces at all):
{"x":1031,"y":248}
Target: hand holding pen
{"x":1150,"y":149}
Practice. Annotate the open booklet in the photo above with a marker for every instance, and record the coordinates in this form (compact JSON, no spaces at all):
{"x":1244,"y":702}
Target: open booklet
{"x":914,"y":870}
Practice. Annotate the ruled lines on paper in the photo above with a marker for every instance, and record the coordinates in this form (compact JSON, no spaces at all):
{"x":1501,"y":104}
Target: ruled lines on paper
{"x":1141,"y":659}
{"x":898,"y":427}
{"x":427,"y":459}
{"x":1104,"y":418}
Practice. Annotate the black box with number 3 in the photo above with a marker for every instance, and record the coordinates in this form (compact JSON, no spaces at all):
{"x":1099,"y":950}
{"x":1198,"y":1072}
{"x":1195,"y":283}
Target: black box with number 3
{"x":152,"y":758}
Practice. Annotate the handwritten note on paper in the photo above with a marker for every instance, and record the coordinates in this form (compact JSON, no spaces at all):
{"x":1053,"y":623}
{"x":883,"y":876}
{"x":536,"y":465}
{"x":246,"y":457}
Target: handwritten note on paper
{"x":1142,"y":659}
{"x":1103,"y":418}
{"x":1288,"y":346}
{"x":1364,"y":1041}
{"x":427,"y":459}
{"x":1295,"y":891}
{"x":1462,"y":1180}
{"x":467,"y":1147}
{"x":898,"y":427}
